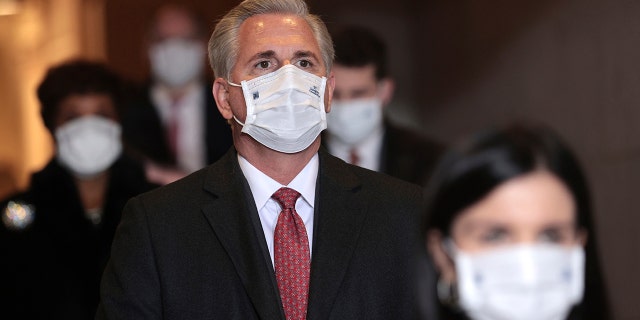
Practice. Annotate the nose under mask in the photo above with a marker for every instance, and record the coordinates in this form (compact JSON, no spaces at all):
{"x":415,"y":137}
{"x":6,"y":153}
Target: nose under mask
{"x":285,"y":109}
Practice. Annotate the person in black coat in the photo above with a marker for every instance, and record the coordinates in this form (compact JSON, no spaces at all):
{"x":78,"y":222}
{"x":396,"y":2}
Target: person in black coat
{"x":56,"y":236}
{"x":172,"y":123}
{"x":222,"y":244}
{"x":357,"y":130}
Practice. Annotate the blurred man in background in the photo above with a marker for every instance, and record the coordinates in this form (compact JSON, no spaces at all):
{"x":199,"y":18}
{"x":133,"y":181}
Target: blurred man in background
{"x":173,"y":123}
{"x":358,"y":131}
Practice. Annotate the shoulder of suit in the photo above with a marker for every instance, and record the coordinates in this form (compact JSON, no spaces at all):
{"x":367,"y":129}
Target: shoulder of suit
{"x":186,"y":185}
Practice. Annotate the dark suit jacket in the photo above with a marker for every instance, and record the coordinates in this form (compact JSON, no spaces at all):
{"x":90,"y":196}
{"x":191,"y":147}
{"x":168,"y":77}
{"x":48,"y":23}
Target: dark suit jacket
{"x":53,"y":268}
{"x":145,"y":135}
{"x":195,"y":249}
{"x":407,"y":155}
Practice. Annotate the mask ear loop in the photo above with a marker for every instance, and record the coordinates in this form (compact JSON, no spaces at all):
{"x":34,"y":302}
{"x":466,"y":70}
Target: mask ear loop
{"x":447,"y":291}
{"x":239,"y":86}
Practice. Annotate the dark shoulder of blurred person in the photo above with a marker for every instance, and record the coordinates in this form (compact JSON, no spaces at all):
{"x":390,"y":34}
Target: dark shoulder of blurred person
{"x":54,"y":247}
{"x":408,"y":155}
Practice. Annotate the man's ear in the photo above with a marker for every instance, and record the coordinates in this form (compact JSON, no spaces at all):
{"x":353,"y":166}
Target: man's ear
{"x":443,"y":263}
{"x":386,"y":87}
{"x":328,"y":91}
{"x":221,"y":95}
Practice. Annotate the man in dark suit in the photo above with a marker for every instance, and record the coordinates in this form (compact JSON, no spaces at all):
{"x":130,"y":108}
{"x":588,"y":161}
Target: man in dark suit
{"x":358,"y":131}
{"x":278,"y":228}
{"x":172,"y":123}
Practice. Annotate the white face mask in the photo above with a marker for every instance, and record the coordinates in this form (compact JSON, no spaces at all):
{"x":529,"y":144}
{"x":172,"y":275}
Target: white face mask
{"x":522,"y":282}
{"x":176,"y":61}
{"x":88,"y":145}
{"x":285,"y":108}
{"x":353,"y":121}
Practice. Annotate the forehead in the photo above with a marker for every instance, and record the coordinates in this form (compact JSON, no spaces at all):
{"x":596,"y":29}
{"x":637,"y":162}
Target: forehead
{"x":90,"y":102}
{"x":282,"y":33}
{"x":174,"y":22}
{"x":354,"y":76}
{"x":529,"y":201}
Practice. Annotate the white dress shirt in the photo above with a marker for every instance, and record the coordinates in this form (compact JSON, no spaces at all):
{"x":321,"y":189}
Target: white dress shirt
{"x":263,"y":187}
{"x":368,"y":150}
{"x":190,"y":114}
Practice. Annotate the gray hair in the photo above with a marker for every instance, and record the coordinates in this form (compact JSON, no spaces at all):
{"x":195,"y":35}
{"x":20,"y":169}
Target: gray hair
{"x":223,"y":44}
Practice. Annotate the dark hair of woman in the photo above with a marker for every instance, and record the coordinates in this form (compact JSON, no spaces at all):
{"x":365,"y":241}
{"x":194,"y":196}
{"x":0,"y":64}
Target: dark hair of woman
{"x":76,"y":77}
{"x":470,"y":171}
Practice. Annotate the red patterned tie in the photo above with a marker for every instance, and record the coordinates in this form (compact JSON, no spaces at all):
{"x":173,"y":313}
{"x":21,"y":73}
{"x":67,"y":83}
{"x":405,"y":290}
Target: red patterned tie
{"x":291,"y":255}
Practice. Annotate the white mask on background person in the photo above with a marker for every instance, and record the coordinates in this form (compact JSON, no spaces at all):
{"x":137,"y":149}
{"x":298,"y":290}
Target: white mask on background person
{"x":354,"y":120}
{"x":285,"y":108}
{"x":521,"y":282}
{"x":176,"y":61}
{"x":88,"y":145}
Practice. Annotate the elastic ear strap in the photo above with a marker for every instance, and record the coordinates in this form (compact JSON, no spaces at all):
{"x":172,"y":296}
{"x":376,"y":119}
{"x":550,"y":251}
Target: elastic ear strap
{"x":238,"y":121}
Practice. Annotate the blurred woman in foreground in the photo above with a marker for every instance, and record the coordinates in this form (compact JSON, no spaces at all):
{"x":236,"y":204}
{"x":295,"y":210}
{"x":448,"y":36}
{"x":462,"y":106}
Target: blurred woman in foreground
{"x":510,"y":231}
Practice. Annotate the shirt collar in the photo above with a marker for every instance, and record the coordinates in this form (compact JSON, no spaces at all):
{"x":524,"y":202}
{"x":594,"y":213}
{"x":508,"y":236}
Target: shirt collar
{"x":262,"y":186}
{"x":368,"y":150}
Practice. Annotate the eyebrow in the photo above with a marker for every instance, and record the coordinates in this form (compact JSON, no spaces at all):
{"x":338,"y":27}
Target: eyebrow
{"x":271,"y":54}
{"x":305,"y":54}
{"x":263,"y":55}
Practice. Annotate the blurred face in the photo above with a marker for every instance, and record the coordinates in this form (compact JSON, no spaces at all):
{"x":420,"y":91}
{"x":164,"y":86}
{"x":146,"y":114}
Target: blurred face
{"x":267,"y":42}
{"x":173,"y":23}
{"x":534,"y":208}
{"x":499,"y":268}
{"x":78,"y":105}
{"x":87,"y":135}
{"x":176,"y":53}
{"x":353,"y":83}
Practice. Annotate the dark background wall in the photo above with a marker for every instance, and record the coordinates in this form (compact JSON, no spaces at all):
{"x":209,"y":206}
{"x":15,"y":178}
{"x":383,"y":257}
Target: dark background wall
{"x":463,"y":65}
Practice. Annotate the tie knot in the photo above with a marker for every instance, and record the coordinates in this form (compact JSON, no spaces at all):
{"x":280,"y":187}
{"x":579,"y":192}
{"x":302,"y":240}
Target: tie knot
{"x":286,"y":197}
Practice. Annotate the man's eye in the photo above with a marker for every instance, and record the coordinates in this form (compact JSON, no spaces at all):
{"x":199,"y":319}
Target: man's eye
{"x":304,"y":63}
{"x":263,"y":64}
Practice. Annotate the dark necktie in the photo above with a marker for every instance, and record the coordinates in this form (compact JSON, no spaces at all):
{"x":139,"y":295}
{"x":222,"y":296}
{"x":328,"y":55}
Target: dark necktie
{"x":291,"y":256}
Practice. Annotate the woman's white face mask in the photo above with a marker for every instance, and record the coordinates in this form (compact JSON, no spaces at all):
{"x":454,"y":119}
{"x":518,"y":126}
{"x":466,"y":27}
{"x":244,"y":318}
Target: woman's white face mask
{"x":285,"y":108}
{"x":520,"y":282}
{"x":88,"y":145}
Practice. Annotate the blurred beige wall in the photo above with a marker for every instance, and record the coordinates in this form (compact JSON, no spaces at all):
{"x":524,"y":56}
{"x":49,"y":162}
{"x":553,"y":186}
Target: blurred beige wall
{"x":40,"y":34}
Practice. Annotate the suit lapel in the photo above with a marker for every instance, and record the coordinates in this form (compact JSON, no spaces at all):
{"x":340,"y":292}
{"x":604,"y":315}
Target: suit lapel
{"x":339,"y":215}
{"x":234,"y":220}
